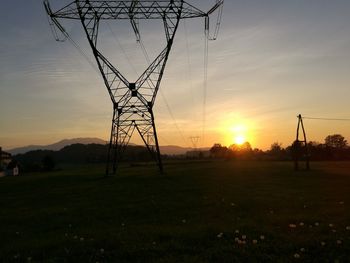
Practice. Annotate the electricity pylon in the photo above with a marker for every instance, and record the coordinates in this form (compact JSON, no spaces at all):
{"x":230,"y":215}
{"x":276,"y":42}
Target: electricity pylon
{"x":194,"y":140}
{"x":132,"y":101}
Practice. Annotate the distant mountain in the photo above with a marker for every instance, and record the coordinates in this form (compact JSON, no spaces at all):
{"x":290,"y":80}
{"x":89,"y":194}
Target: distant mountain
{"x":56,"y":146}
{"x":169,"y":149}
{"x":178,"y":150}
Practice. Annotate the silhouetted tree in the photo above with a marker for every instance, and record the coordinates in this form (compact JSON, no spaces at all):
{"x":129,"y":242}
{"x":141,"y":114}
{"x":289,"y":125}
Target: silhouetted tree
{"x":48,"y":163}
{"x":277,"y":152}
{"x":276,"y":148}
{"x":241,"y":151}
{"x":336,"y":141}
{"x":219,"y":151}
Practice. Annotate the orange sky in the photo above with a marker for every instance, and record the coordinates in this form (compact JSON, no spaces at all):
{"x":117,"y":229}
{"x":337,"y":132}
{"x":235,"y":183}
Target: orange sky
{"x":272,"y":61}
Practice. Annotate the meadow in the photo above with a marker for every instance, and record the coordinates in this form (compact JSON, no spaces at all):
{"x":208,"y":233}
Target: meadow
{"x":216,"y":211}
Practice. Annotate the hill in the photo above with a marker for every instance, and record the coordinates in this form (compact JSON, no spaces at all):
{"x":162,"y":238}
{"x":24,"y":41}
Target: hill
{"x":56,"y":146}
{"x":78,"y":154}
{"x":177,"y":150}
{"x":167,"y":149}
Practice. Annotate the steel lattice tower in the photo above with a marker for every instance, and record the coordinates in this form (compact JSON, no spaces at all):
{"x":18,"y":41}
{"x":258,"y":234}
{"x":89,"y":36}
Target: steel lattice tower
{"x":132,"y":101}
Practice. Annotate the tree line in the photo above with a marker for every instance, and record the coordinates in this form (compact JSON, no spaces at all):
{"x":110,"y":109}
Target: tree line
{"x":335,"y":147}
{"x":47,"y":160}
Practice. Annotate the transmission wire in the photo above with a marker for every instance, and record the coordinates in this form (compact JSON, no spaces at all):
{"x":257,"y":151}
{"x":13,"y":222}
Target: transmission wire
{"x":325,"y":119}
{"x":82,"y":52}
{"x":145,"y":53}
{"x":67,"y":36}
{"x":189,"y":75}
{"x":205,"y":85}
{"x":122,"y":49}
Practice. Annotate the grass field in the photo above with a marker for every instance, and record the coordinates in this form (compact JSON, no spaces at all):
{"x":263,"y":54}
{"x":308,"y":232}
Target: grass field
{"x":198,"y":212}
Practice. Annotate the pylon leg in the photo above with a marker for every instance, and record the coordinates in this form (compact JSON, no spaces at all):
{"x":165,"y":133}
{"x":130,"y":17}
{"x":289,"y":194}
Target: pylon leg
{"x":111,"y":155}
{"x":159,"y":158}
{"x":148,"y":133}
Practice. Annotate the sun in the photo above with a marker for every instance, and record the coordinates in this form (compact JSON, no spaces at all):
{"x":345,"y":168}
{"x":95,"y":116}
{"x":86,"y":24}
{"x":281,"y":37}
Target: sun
{"x":238,"y":131}
{"x":239,"y":139}
{"x":239,"y":134}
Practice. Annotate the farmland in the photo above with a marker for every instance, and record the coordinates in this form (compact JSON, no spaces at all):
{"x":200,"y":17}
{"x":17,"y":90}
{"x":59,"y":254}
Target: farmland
{"x":217,"y":211}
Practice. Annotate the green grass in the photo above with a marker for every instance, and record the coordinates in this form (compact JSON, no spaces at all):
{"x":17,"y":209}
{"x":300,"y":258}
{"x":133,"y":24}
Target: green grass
{"x":77,"y":215}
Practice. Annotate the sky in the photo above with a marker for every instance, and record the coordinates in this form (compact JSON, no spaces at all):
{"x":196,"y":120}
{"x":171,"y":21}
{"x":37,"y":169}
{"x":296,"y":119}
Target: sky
{"x":272,"y":60}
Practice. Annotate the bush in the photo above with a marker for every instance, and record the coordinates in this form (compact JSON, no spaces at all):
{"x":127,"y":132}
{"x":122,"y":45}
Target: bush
{"x":48,"y":163}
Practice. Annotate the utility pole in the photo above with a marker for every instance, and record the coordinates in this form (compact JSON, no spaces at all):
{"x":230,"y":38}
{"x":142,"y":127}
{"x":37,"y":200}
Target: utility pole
{"x":300,"y":148}
{"x":132,"y":101}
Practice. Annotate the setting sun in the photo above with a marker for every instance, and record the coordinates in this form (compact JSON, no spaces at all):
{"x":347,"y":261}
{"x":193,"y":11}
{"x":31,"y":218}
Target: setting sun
{"x":239,"y":139}
{"x":240,"y":133}
{"x":238,"y":130}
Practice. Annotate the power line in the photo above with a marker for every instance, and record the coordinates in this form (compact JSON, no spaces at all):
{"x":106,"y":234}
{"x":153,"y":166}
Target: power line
{"x":82,"y":52}
{"x":53,"y":24}
{"x":145,"y":53}
{"x":205,"y":80}
{"x":188,"y":61}
{"x":325,"y":119}
{"x":122,"y":49}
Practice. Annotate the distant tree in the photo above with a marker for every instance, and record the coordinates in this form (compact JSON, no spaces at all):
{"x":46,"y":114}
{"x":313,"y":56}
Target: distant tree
{"x":277,"y":152}
{"x":218,"y":151}
{"x":12,"y":164}
{"x":276,"y":148}
{"x":48,"y":163}
{"x":241,"y":151}
{"x":245,"y":147}
{"x":336,"y":141}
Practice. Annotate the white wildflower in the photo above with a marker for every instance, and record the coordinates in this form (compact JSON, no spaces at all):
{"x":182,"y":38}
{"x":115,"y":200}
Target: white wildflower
{"x":296,"y":255}
{"x":220,"y":235}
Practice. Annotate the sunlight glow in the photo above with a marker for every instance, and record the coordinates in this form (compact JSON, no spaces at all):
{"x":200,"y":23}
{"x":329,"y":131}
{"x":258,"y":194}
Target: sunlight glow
{"x":239,"y":139}
{"x":240,"y":132}
{"x":237,"y":129}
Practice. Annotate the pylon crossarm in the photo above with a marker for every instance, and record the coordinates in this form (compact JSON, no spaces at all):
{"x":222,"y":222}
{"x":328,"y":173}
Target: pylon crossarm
{"x":138,"y":114}
{"x":110,"y":9}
